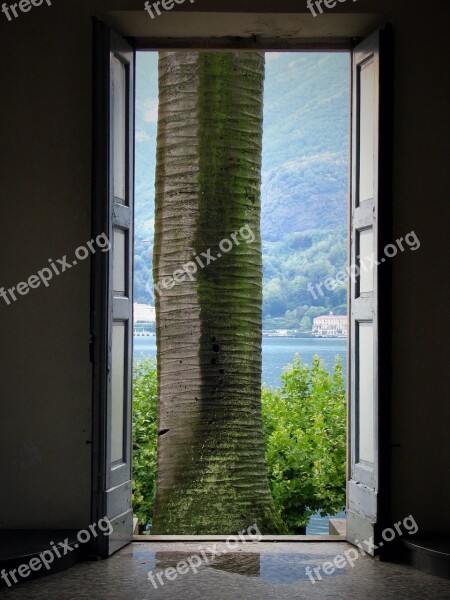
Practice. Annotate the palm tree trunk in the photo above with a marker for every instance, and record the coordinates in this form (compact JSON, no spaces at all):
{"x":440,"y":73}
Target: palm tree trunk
{"x":211,"y":468}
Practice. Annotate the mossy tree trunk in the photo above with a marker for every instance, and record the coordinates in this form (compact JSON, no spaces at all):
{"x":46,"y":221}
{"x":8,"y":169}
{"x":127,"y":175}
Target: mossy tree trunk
{"x":211,"y":468}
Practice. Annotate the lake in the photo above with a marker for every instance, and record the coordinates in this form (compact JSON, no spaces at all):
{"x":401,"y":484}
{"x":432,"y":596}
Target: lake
{"x":278,"y":352}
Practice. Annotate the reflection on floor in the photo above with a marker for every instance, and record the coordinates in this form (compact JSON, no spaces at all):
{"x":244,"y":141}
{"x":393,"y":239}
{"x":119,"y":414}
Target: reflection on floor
{"x":250,"y":570}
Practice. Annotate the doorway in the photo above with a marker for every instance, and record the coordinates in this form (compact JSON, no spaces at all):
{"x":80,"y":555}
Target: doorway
{"x":305,"y":184}
{"x":361,"y":153}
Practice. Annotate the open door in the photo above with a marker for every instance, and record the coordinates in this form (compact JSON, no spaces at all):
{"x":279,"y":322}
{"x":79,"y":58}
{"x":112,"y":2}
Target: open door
{"x":369,"y":378}
{"x":112,"y":286}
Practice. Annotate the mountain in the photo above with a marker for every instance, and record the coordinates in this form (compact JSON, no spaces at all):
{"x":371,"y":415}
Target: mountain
{"x":304,"y":182}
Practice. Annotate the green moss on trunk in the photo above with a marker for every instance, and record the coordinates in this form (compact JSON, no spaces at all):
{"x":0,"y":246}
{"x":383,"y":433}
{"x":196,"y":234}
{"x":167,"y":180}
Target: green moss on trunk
{"x":222,"y":486}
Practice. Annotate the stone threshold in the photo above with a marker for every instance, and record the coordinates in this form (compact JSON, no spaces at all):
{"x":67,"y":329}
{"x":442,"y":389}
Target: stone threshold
{"x":223,"y":538}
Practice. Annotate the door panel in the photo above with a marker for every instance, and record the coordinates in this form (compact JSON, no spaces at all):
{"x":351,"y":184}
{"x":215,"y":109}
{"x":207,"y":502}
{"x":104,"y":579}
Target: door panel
{"x":112,"y":301}
{"x":369,"y":289}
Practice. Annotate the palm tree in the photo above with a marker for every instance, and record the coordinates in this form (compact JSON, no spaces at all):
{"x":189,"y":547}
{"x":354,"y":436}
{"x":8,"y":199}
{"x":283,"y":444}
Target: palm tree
{"x":211,"y":467}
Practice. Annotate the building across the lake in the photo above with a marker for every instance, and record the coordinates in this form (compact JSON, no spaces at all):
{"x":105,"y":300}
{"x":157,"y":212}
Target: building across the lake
{"x":144,"y":313}
{"x":277,"y":333}
{"x":330,"y":326}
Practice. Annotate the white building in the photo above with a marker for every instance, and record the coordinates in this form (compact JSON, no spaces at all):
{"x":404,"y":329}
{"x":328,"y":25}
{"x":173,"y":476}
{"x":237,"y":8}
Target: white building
{"x":330,"y":326}
{"x":144,"y":313}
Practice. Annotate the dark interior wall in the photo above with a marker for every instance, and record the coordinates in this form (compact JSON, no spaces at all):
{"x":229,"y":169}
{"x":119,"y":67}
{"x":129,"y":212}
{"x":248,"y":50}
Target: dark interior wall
{"x":45,"y":124}
{"x":421,"y":286}
{"x":45,"y":174}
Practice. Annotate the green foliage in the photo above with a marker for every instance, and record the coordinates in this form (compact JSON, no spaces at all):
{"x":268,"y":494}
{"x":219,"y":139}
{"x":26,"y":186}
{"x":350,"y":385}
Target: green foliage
{"x":305,"y":442}
{"x":305,"y":437}
{"x":292,"y":263}
{"x":144,"y":439}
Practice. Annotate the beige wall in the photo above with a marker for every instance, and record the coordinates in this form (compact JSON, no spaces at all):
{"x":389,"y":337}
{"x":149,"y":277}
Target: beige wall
{"x":45,"y":124}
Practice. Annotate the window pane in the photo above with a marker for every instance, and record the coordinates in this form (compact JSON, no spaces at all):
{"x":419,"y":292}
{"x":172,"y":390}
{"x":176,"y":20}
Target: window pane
{"x":117,"y":391}
{"x":365,"y":251}
{"x":119,"y":82}
{"x":119,"y":261}
{"x":366,"y":131}
{"x":365,"y":392}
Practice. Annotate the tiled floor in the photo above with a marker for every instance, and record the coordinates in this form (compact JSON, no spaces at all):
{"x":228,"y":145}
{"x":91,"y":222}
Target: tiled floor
{"x":251,"y":570}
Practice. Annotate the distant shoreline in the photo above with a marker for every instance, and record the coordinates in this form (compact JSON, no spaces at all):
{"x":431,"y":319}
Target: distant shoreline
{"x":270,"y":334}
{"x":295,"y":334}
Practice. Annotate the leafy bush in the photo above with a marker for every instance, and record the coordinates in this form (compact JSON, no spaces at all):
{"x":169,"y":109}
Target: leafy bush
{"x":144,"y":439}
{"x":305,"y":438}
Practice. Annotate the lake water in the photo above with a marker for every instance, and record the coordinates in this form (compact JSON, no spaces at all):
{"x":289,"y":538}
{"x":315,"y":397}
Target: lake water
{"x":278,"y":352}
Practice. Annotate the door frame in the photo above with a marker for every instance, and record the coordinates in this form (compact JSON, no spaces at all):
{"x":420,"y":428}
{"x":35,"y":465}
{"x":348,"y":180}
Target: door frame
{"x":385,"y":229}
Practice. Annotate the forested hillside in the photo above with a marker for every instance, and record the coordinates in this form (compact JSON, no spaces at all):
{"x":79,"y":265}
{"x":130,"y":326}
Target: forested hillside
{"x":304,"y":182}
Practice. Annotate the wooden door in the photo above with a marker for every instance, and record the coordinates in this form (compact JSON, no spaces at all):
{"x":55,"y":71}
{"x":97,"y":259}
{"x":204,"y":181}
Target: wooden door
{"x":369,"y":448}
{"x":112,"y":285}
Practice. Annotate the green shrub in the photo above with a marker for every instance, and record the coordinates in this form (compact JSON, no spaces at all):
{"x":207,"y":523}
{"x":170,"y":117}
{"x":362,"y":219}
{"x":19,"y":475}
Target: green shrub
{"x":305,"y":437}
{"x":144,"y":440}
